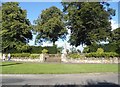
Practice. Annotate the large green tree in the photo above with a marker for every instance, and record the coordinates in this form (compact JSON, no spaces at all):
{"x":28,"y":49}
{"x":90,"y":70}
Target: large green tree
{"x":115,"y":39}
{"x":115,"y":36}
{"x":112,"y":46}
{"x":16,"y":28}
{"x":89,"y":22}
{"x":50,"y":25}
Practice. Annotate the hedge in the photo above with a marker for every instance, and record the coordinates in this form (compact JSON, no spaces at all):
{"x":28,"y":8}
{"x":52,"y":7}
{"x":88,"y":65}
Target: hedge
{"x":20,"y":55}
{"x":104,"y":54}
{"x":34,"y":56}
{"x":25,"y":55}
{"x":74,"y":56}
{"x":38,"y":49}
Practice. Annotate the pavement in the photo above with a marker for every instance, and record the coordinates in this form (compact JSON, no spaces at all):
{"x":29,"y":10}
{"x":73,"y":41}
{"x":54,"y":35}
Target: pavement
{"x":60,"y":79}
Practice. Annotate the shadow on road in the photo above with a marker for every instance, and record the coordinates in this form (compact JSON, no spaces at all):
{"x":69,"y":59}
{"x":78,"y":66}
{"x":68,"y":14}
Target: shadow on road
{"x":10,"y":64}
{"x":89,"y":84}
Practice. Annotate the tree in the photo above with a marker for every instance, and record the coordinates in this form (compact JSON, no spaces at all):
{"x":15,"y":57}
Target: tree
{"x":88,"y":21}
{"x":16,"y":28}
{"x":73,"y":50}
{"x":59,"y":49}
{"x":50,"y":26}
{"x":67,"y":50}
{"x":115,"y":39}
{"x":115,"y":36}
{"x":78,"y":50}
{"x":86,"y":49}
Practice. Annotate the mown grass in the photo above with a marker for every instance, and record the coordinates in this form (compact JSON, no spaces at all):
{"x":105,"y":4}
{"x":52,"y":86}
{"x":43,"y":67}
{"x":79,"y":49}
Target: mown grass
{"x":55,"y":68}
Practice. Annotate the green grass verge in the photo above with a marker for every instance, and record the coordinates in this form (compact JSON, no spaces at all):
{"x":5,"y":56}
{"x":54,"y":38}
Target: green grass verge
{"x":55,"y":68}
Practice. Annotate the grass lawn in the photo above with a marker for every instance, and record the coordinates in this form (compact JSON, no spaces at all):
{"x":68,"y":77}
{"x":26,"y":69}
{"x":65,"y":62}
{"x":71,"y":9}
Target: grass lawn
{"x":55,"y":68}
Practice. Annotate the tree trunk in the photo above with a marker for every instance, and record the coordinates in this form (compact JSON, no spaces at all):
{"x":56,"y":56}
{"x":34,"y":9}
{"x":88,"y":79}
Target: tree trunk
{"x":53,"y":43}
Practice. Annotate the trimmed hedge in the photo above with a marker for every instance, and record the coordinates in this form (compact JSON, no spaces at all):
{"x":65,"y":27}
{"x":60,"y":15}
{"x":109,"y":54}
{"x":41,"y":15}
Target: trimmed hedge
{"x":104,"y":54}
{"x":74,"y":56}
{"x":25,"y":55}
{"x":38,"y":49}
{"x":20,"y":55}
{"x":35,"y":50}
{"x":34,"y":56}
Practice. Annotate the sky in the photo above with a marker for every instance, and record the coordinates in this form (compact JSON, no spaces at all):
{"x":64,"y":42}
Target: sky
{"x":34,"y":9}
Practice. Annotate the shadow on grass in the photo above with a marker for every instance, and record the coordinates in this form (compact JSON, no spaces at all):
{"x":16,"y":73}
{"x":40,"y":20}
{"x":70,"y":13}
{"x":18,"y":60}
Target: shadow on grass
{"x":10,"y":64}
{"x":89,"y":84}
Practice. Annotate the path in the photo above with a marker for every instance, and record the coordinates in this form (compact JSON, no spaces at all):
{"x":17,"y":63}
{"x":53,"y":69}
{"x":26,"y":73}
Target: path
{"x":59,"y":79}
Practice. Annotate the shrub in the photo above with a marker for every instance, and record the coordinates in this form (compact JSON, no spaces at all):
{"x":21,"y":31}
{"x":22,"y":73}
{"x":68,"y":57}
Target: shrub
{"x":25,"y":55}
{"x":104,"y":54}
{"x":44,"y":51}
{"x":86,"y":49}
{"x":59,"y":49}
{"x":100,"y":50}
{"x":36,"y":49}
{"x":33,"y":49}
{"x":20,"y":55}
{"x":34,"y":56}
{"x":74,"y":56}
{"x":51,"y":50}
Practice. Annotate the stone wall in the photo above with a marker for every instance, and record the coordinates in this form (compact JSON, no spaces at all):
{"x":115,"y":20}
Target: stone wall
{"x":52,"y":58}
{"x":42,"y":58}
{"x":94,"y":60}
{"x":58,"y":58}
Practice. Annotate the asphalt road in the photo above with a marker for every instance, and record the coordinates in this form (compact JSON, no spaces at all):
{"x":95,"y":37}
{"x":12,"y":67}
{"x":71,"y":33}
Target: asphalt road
{"x":59,"y":79}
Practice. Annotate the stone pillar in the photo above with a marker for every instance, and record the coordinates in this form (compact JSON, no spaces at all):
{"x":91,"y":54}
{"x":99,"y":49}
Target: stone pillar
{"x":41,"y":57}
{"x":63,"y":58}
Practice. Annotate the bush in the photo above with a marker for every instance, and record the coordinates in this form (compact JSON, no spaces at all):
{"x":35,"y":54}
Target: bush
{"x":104,"y":54}
{"x":20,"y":55}
{"x":38,"y":49}
{"x":100,"y":50}
{"x":33,"y":49}
{"x":34,"y":56}
{"x":86,"y":49}
{"x":25,"y":55}
{"x":44,"y":51}
{"x":74,"y":56}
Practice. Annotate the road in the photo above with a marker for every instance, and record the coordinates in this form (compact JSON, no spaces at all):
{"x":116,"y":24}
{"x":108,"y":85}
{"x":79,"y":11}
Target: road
{"x":59,"y":79}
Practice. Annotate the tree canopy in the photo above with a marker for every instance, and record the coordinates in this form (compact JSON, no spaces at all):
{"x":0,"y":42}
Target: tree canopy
{"x":115,"y":39}
{"x":115,"y":36}
{"x":89,"y":22}
{"x":50,"y":25}
{"x":16,"y":28}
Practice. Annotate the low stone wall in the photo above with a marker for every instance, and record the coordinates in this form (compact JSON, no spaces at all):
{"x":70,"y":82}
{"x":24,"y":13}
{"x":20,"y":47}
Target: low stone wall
{"x":94,"y":60}
{"x":26,"y":60}
{"x":52,"y":58}
{"x":87,"y":60}
{"x":58,"y":58}
{"x":42,"y":58}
